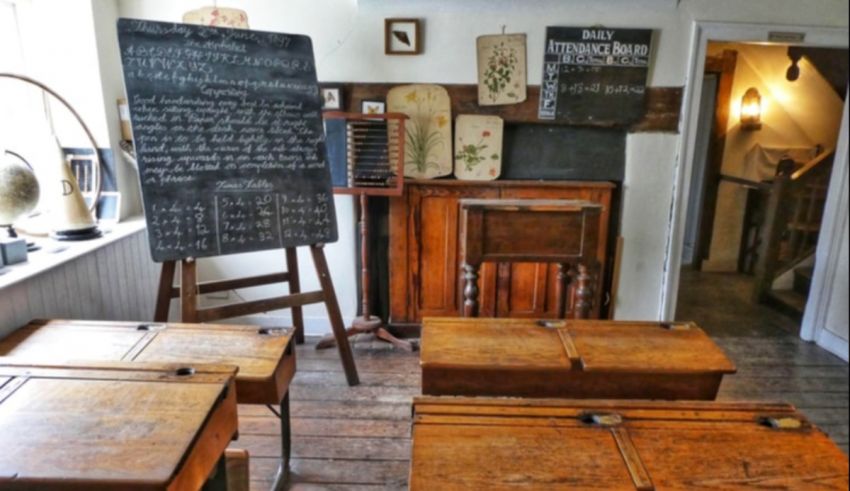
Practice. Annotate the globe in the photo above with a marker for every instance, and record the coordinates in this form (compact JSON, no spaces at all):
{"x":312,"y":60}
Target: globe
{"x":18,"y":190}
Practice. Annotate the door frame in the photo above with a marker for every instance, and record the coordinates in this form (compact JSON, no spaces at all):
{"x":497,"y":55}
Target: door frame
{"x":830,"y":236}
{"x":833,"y":230}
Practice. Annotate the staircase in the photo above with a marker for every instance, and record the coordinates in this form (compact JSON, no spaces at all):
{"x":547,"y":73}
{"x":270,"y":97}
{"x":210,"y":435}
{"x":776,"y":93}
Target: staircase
{"x":792,"y":223}
{"x":792,"y":302}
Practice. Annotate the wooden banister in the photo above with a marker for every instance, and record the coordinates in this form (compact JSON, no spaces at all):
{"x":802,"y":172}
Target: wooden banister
{"x":812,"y":164}
{"x":792,"y":220}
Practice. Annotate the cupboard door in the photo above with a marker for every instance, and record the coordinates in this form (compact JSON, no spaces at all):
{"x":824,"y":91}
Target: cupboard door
{"x":527,"y":289}
{"x":435,"y":256}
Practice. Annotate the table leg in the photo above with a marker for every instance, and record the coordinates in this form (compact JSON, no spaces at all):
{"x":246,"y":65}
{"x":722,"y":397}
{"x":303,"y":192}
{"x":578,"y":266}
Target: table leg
{"x":286,"y":445}
{"x":470,"y":290}
{"x":561,"y":288}
{"x":584,"y":292}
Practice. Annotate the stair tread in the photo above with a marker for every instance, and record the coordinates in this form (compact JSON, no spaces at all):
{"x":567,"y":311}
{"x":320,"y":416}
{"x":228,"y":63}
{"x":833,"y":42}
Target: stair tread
{"x":805,"y":271}
{"x":790,"y":298}
{"x":805,"y":226}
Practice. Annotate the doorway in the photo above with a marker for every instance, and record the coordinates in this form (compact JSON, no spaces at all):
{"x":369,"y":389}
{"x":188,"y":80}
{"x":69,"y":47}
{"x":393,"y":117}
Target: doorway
{"x":758,"y":186}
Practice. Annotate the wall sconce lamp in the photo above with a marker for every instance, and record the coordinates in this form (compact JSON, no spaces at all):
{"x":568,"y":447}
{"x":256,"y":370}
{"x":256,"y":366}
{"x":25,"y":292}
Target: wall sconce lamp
{"x":793,"y":72}
{"x":751,"y":110}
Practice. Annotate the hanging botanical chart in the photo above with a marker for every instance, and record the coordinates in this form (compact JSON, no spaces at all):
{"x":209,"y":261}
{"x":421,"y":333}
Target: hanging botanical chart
{"x":478,"y":147}
{"x":501,"y":69}
{"x":428,"y":142}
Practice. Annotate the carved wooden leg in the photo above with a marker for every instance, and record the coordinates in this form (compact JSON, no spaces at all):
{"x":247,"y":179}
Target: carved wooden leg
{"x":561,"y":286}
{"x":584,"y":292}
{"x":470,"y":290}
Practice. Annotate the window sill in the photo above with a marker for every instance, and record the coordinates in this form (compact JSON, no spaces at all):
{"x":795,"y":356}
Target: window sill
{"x":55,"y":253}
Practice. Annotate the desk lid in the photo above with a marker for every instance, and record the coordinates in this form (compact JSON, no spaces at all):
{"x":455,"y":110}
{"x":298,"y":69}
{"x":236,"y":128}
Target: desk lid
{"x":486,"y":443}
{"x":589,"y":345}
{"x":110,"y":426}
{"x":255,"y":350}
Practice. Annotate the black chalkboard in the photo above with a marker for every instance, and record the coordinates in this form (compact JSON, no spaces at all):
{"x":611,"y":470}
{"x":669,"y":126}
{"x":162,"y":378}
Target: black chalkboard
{"x":229,"y":140}
{"x":553,"y":152}
{"x":595,"y":75}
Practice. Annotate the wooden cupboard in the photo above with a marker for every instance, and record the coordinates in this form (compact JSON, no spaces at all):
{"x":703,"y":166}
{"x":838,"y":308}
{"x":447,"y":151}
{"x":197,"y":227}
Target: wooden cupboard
{"x":425,"y":255}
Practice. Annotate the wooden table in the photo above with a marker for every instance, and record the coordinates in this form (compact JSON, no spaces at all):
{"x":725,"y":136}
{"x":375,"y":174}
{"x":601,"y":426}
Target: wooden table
{"x":534,"y":444}
{"x":570,"y":358}
{"x":265,"y":356}
{"x":114,"y":426}
{"x":565,"y":232}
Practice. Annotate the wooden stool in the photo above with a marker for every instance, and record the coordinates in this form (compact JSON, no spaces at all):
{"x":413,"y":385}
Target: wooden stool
{"x":565,"y":232}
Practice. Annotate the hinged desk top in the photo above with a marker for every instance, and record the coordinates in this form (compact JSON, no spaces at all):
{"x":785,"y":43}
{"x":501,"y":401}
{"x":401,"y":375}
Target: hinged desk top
{"x":266,"y":362}
{"x":502,"y":444}
{"x":113,"y":426}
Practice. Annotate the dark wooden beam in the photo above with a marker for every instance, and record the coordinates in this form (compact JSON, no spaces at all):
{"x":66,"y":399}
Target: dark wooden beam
{"x":663,"y":104}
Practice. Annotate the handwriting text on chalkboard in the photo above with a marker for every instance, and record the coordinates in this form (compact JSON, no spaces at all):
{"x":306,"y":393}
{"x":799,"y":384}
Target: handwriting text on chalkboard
{"x":228,"y":134}
{"x":595,"y":75}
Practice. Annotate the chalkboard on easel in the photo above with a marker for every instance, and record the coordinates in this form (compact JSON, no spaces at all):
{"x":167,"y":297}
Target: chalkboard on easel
{"x":229,"y":140}
{"x":595,"y":76}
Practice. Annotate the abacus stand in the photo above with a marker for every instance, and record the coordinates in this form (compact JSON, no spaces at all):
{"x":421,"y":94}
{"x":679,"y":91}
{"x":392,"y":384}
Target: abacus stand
{"x":366,"y":323}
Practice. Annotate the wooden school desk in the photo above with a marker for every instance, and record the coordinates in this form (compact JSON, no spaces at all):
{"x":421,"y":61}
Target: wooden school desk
{"x":114,"y":426}
{"x":578,"y":359}
{"x":265,"y":356}
{"x":551,"y":444}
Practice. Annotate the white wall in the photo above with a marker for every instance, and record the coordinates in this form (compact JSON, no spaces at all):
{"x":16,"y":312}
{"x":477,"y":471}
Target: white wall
{"x":348,"y":40}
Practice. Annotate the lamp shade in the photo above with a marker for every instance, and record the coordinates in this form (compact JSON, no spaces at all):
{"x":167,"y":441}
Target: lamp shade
{"x":751,"y":110}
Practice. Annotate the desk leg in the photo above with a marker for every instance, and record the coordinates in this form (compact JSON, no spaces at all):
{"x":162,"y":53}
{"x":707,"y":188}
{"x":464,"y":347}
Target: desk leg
{"x":286,"y":445}
{"x":470,"y":290}
{"x":218,"y":479}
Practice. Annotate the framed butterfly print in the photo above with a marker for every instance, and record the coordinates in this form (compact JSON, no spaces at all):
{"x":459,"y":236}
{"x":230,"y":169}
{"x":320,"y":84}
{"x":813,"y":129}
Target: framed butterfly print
{"x":402,"y":36}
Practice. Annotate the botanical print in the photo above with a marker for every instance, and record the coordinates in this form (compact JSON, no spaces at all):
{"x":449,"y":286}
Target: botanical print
{"x":501,"y":69}
{"x":218,"y":17}
{"x":478,"y":147}
{"x":427,"y":144}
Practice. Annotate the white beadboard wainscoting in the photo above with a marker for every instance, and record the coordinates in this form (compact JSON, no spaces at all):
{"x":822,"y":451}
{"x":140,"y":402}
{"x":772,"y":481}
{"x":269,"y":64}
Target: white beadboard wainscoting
{"x":116,"y":281}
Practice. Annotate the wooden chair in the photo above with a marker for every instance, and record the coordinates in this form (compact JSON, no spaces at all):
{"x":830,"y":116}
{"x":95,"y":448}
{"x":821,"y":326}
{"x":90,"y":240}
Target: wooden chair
{"x":565,"y":232}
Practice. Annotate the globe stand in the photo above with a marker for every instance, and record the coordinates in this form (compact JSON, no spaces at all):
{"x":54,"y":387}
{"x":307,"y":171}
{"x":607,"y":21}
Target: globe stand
{"x":73,"y":235}
{"x":10,"y":233}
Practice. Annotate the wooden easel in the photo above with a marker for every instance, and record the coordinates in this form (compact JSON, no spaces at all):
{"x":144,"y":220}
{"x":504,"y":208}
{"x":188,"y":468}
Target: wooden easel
{"x":189,"y":290}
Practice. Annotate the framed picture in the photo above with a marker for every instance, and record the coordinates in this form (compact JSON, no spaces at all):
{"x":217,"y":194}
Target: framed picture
{"x":373,"y":107}
{"x":402,"y":36}
{"x":331,"y":98}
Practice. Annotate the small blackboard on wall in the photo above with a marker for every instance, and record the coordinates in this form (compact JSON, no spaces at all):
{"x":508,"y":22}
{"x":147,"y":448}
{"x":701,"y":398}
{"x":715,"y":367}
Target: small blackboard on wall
{"x":595,"y":75}
{"x":559,"y":152}
{"x":229,"y":140}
